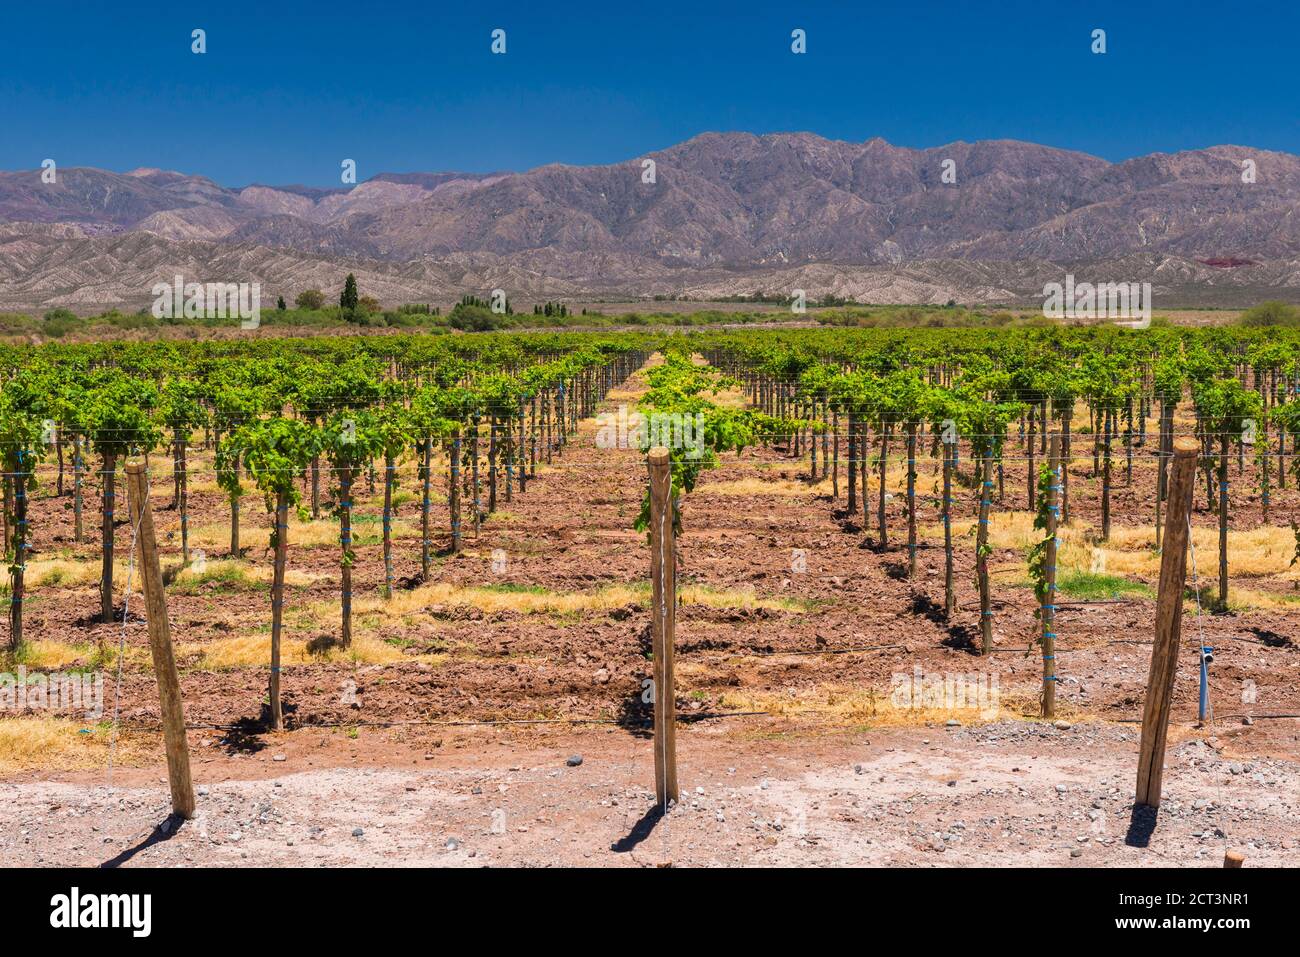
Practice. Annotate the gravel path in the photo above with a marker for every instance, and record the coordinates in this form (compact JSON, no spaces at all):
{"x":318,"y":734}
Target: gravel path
{"x":1010,"y":793}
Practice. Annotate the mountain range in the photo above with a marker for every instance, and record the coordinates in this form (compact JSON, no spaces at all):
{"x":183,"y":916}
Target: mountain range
{"x":720,"y":214}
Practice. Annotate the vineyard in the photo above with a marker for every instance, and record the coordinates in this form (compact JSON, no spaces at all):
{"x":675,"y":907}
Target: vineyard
{"x":402,"y":532}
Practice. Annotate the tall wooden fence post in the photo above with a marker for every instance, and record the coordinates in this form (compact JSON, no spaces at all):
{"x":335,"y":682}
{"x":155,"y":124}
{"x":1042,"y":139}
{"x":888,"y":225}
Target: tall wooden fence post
{"x":663,"y":624}
{"x":1169,"y":615}
{"x":160,"y":641}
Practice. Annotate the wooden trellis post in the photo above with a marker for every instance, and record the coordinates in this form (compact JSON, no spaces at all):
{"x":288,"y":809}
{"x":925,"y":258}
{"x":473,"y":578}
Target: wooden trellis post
{"x":160,"y":641}
{"x":1169,"y":615}
{"x":663,"y":624}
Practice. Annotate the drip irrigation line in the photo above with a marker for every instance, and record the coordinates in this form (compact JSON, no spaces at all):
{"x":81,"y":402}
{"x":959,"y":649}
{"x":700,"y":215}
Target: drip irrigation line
{"x":764,"y":653}
{"x":684,"y":716}
{"x":687,"y":716}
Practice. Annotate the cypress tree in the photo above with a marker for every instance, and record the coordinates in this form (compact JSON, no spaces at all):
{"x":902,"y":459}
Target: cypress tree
{"x":349,"y":298}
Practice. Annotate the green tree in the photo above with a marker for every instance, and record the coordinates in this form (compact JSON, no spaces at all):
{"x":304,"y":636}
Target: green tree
{"x":310,"y":299}
{"x":988,"y":422}
{"x":233,"y":404}
{"x":348,"y":300}
{"x":350,"y":440}
{"x":276,"y":451}
{"x":182,"y":413}
{"x":1227,"y":409}
{"x":119,"y":421}
{"x":394,"y":430}
{"x":22,"y":445}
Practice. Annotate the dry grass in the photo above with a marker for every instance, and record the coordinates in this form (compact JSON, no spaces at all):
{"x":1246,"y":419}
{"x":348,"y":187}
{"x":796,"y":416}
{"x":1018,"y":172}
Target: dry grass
{"x":44,"y":656}
{"x":532,"y":601}
{"x":1253,"y":552}
{"x":78,"y":573}
{"x":41,"y":654}
{"x":792,"y":488}
{"x":728,"y":399}
{"x":201,"y":482}
{"x":322,"y":532}
{"x":60,"y":744}
{"x":1130,"y":550}
{"x":896,"y":483}
{"x":72,"y":572}
{"x":1007,"y":529}
{"x":1264,"y":552}
{"x":248,"y":651}
{"x":854,"y":705}
{"x":1245,"y":599}
{"x":730,"y":598}
{"x":237,"y":572}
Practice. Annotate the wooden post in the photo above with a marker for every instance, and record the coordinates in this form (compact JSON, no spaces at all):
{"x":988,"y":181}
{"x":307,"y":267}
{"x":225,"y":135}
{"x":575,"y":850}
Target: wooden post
{"x":277,"y":604}
{"x":835,"y":463}
{"x":852,"y":438}
{"x":17,"y":571}
{"x":106,"y":573}
{"x":663,"y":623}
{"x":453,"y":493}
{"x":1066,"y":414}
{"x":1048,"y":613}
{"x":183,"y":500}
{"x":1233,"y":858}
{"x":78,"y":470}
{"x":347,"y":476}
{"x":426,"y":479}
{"x":473,"y":452}
{"x":1223,"y":521}
{"x":949,"y":592}
{"x":981,"y":555}
{"x":883,"y":532}
{"x":390,"y":476}
{"x":826,"y":443}
{"x":1169,"y":614}
{"x":1029,"y":448}
{"x":911,"y":500}
{"x":315,"y":486}
{"x":160,"y":642}
{"x":1106,"y":420}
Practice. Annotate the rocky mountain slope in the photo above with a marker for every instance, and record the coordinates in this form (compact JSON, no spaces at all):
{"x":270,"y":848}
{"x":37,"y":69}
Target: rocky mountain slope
{"x":726,"y":214}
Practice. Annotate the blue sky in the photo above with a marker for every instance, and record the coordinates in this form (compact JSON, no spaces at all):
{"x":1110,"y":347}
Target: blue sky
{"x":287,"y":90}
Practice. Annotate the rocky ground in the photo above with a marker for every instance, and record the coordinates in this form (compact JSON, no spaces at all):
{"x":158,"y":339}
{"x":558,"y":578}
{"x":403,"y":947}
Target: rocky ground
{"x":1008,"y":793}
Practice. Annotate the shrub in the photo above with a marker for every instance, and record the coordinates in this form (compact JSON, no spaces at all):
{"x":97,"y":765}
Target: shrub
{"x":476,"y":319}
{"x":1271,"y":313}
{"x":310,"y":299}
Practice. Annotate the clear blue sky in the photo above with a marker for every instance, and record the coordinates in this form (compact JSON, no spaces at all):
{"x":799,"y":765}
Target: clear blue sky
{"x":289,"y":89}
